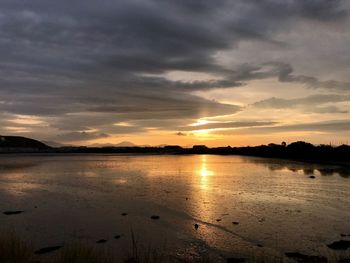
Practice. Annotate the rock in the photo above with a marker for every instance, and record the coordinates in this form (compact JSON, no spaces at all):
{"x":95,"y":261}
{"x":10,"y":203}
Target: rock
{"x":312,"y":177}
{"x":117,"y":236}
{"x":339,"y":245}
{"x":236,"y":260}
{"x":155,"y":217}
{"x":235,"y":222}
{"x":8,"y":213}
{"x":124,"y":214}
{"x":47,"y":250}
{"x":196,"y":226}
{"x":302,"y":258}
{"x":101,"y":241}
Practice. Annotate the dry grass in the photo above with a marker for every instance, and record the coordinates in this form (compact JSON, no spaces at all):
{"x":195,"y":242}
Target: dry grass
{"x":80,"y":253}
{"x":15,"y":250}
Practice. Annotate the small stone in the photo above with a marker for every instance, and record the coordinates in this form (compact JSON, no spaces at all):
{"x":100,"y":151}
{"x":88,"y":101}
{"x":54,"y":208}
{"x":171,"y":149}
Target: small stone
{"x":306,"y":258}
{"x":312,"y":177}
{"x":196,"y":226}
{"x":339,"y":245}
{"x":235,"y":222}
{"x":101,"y":241}
{"x":47,"y":250}
{"x":155,"y":217}
{"x":117,"y":236}
{"x":218,"y":220}
{"x":8,"y":213}
{"x":124,"y":214}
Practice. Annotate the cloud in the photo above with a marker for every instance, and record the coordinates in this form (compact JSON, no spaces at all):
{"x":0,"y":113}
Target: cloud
{"x":229,"y":125}
{"x":285,"y":74}
{"x":325,"y":126}
{"x":334,"y":126}
{"x":308,"y":104}
{"x":87,"y":65}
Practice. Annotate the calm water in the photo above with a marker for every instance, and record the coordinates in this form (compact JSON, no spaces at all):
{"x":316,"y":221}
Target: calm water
{"x":81,"y":197}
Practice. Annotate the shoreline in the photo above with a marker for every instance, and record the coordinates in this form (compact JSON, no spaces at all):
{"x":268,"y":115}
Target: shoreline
{"x":58,"y":153}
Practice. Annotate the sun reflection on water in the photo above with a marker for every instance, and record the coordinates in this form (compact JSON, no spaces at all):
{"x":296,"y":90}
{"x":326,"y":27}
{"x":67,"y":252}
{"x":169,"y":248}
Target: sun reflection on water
{"x":204,"y":173}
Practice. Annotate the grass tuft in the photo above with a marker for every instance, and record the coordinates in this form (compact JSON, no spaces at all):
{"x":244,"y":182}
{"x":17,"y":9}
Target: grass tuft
{"x":15,"y":250}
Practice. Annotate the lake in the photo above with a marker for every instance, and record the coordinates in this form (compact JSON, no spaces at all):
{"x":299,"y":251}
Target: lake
{"x":242,"y":205}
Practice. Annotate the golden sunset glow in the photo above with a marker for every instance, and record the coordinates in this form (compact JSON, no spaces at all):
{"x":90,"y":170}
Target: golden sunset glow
{"x":175,"y":131}
{"x":215,"y":86}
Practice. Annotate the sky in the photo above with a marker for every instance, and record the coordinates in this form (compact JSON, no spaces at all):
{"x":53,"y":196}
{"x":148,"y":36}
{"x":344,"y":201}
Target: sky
{"x":153,"y":72}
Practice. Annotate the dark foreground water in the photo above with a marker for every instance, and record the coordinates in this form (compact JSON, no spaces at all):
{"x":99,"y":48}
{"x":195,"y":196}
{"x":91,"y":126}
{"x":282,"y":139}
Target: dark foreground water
{"x":243,"y":205}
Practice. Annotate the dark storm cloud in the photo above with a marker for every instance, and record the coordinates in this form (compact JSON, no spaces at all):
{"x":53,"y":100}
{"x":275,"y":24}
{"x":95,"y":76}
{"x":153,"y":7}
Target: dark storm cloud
{"x":321,"y":10}
{"x":285,"y":74}
{"x":60,"y":58}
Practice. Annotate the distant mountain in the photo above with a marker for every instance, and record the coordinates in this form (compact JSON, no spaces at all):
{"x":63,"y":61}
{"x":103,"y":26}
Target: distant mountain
{"x":162,"y":145}
{"x":121,"y":144}
{"x":21,"y":142}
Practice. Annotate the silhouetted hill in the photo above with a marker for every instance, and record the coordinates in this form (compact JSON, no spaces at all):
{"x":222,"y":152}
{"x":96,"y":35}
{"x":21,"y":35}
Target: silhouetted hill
{"x":13,"y":143}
